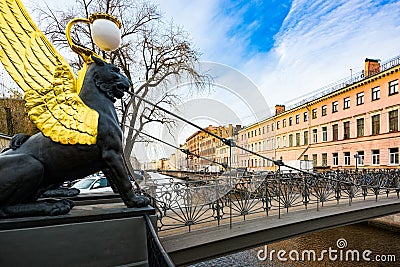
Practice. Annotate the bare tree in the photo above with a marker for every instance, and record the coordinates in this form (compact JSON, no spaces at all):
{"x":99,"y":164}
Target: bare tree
{"x":154,"y":55}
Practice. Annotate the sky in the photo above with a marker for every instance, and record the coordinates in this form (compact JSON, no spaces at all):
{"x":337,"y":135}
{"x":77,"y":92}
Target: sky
{"x":290,"y":48}
{"x":270,"y":52}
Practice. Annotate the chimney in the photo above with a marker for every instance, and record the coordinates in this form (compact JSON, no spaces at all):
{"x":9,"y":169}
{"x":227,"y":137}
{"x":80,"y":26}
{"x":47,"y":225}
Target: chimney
{"x":279,"y":109}
{"x":372,"y":66}
{"x":230,"y":130}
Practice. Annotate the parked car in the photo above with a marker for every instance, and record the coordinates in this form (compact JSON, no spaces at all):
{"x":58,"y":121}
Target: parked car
{"x":93,"y":185}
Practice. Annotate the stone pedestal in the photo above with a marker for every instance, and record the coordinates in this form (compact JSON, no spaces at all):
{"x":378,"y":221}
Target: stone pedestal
{"x":106,"y":235}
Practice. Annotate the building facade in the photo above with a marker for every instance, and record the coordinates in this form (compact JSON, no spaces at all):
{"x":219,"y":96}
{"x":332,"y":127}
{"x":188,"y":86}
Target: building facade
{"x":350,"y":124}
{"x":355,"y":124}
{"x":206,"y":146}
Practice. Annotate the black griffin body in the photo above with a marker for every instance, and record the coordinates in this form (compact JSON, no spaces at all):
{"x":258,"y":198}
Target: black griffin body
{"x":39,"y":163}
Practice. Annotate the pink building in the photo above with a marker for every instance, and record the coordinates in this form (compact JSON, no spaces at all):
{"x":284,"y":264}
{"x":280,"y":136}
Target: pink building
{"x":355,"y":120}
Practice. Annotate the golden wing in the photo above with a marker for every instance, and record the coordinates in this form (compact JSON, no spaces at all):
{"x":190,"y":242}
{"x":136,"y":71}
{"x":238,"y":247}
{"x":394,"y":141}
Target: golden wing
{"x":47,"y":79}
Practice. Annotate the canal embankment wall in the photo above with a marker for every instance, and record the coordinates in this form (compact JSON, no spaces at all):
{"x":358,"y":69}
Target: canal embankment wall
{"x":391,"y":223}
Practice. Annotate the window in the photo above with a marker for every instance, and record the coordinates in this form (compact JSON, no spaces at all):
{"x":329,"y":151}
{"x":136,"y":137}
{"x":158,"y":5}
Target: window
{"x":360,"y":158}
{"x":315,"y":136}
{"x":335,"y":132}
{"x":346,"y":130}
{"x":297,"y":139}
{"x":324,"y":159}
{"x":335,"y":159}
{"x":263,"y":130}
{"x":376,"y":93}
{"x":284,"y":140}
{"x":314,"y":113}
{"x":277,"y":125}
{"x":394,"y":87}
{"x":297,"y":119}
{"x":305,"y":137}
{"x":290,"y":121}
{"x":278,"y":142}
{"x":335,"y":106}
{"x":305,"y":116}
{"x":272,"y":127}
{"x":315,"y":159}
{"x":394,"y":156}
{"x":290,"y":139}
{"x":360,"y":98}
{"x":284,"y":123}
{"x":325,"y":134}
{"x":346,"y":103}
{"x":267,"y":128}
{"x":375,"y":124}
{"x":375,"y":157}
{"x":360,"y":127}
{"x":346,"y":158}
{"x":324,"y":109}
{"x":259,"y":131}
{"x":393,"y":120}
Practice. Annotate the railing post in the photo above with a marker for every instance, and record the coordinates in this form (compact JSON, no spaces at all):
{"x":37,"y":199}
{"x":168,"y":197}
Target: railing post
{"x":279,"y":196}
{"x":230,"y":184}
{"x":266,"y":193}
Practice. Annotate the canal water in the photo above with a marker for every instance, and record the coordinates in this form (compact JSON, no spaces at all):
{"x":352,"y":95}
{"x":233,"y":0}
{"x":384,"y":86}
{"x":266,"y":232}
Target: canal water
{"x":348,"y":246}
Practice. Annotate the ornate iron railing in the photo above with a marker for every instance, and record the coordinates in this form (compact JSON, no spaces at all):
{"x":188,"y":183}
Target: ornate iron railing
{"x":157,"y":256}
{"x":188,"y":204}
{"x":238,"y":195}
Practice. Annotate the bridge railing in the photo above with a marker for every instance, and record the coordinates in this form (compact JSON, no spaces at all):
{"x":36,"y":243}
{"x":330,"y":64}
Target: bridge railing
{"x":189,"y":204}
{"x":185,"y":204}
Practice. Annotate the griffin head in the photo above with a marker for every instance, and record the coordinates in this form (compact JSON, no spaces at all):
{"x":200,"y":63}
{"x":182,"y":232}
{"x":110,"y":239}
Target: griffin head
{"x":109,"y":80}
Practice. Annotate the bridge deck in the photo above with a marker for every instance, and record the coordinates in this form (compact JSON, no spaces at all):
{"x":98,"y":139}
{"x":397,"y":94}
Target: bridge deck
{"x":186,"y":248}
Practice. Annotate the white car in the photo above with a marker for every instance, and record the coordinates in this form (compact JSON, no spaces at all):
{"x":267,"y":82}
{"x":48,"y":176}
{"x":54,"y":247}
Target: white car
{"x":93,"y":185}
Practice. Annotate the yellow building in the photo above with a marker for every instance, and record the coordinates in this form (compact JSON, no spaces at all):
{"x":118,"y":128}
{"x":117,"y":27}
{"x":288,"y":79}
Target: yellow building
{"x":205,"y":145}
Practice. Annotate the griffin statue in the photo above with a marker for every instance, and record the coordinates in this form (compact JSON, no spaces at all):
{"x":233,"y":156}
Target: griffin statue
{"x":79,"y":131}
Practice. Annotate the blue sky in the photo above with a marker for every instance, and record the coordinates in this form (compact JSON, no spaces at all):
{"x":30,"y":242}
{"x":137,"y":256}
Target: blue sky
{"x":258,"y":21}
{"x":287,"y":48}
{"x":290,"y":47}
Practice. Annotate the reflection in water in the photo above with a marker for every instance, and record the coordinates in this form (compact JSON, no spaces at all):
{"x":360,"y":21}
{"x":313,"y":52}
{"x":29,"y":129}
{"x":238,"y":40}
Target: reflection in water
{"x":350,"y":240}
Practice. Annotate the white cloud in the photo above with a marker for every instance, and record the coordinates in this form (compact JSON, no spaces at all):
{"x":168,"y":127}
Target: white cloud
{"x":208,"y":28}
{"x":320,"y":42}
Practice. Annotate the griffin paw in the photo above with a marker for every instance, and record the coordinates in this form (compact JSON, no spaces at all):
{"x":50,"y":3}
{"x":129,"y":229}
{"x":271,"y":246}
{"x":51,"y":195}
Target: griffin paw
{"x":138,"y":201}
{"x":61,"y":207}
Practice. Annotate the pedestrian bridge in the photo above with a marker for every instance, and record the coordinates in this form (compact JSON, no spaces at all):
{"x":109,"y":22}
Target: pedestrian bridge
{"x":202,"y":220}
{"x":199,"y":245}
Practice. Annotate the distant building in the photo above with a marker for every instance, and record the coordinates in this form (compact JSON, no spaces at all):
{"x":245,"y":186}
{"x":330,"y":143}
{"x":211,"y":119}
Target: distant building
{"x":205,"y":145}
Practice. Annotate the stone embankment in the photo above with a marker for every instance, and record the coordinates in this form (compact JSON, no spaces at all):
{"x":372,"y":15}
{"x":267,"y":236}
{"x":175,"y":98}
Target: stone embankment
{"x":391,"y":223}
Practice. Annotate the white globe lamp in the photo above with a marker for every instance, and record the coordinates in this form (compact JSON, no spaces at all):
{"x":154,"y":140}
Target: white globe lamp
{"x":106,"y":34}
